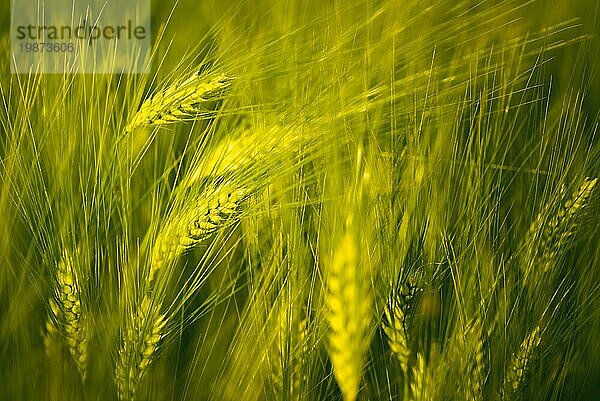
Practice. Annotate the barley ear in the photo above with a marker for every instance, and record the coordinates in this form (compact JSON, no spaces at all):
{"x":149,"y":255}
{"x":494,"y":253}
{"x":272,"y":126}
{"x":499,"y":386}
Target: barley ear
{"x":290,"y":346}
{"x":66,"y":314}
{"x":139,"y":346}
{"x":180,"y":101}
{"x":397,"y":338}
{"x":397,"y":321}
{"x":476,"y":377}
{"x":51,"y":332}
{"x":348,"y":300}
{"x":518,"y":368}
{"x":185,"y":229}
{"x":552,"y":232}
{"x":563,"y":225}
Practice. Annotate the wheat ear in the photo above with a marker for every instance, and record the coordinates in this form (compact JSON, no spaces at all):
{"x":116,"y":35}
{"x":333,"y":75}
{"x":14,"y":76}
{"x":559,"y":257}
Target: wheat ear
{"x":180,"y":101}
{"x":66,"y":316}
{"x":518,"y":368}
{"x":563,"y":225}
{"x":557,"y":232}
{"x":140,"y":344}
{"x":184,"y":229}
{"x":349,"y":302}
{"x":248,"y":148}
{"x":397,"y":319}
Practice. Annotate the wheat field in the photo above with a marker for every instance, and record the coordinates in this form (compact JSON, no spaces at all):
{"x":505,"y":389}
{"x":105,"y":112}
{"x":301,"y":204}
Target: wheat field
{"x":310,"y":200}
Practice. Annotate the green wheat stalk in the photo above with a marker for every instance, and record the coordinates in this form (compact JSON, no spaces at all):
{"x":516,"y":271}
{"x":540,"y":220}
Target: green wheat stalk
{"x":397,"y":321}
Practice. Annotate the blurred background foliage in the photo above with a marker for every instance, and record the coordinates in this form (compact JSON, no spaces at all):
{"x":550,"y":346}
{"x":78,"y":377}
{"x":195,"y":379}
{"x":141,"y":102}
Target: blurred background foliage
{"x":571,"y":67}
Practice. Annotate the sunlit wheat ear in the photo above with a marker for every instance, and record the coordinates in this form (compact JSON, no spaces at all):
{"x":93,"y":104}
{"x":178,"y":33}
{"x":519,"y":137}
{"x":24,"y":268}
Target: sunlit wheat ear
{"x":420,"y":384}
{"x":397,"y":322}
{"x":518,"y":368}
{"x":67,"y":320}
{"x":180,"y":101}
{"x":349,"y":303}
{"x":140,"y":343}
{"x":557,"y":231}
{"x":247,"y":148}
{"x":196,"y":222}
